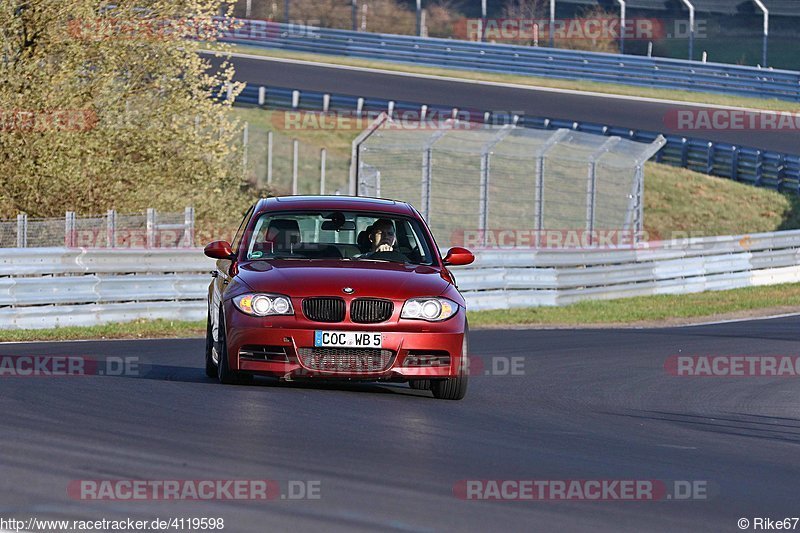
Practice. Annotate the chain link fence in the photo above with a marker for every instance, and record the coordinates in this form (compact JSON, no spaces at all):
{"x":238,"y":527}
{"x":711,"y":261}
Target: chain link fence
{"x":476,"y":183}
{"x":148,"y":229}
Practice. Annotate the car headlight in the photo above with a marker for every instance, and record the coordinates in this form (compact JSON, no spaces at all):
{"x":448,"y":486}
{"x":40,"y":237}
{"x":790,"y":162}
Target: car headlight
{"x":430,"y":309}
{"x":264,"y":304}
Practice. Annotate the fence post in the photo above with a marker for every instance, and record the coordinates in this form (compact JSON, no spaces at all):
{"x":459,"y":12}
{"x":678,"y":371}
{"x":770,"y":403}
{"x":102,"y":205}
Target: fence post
{"x":295,"y":99}
{"x":262,"y":95}
{"x":188,"y":227}
{"x":111,"y":228}
{"x":326,"y":102}
{"x":591,"y":185}
{"x":426,"y":183}
{"x":69,"y":229}
{"x":22,"y":230}
{"x":151,"y":227}
{"x":734,"y":163}
{"x":295,"y":149}
{"x":486,"y":153}
{"x":245,"y":142}
{"x":269,"y":158}
{"x":322,"y":161}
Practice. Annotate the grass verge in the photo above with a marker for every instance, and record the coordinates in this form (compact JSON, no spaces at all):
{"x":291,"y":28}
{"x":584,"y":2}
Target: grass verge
{"x":665,"y":310}
{"x":662,"y":310}
{"x":137,"y":329}
{"x":588,"y":86}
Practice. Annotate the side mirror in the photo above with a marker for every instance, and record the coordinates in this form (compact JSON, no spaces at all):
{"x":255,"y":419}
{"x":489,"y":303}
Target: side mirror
{"x":458,"y":256}
{"x":218,"y":250}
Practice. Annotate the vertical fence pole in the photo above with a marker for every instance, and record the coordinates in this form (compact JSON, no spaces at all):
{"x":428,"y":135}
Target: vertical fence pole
{"x":419,"y":18}
{"x":111,"y":228}
{"x":621,"y":26}
{"x":426,"y":183}
{"x":483,"y":21}
{"x":151,"y":227}
{"x":295,"y":150}
{"x":591,"y":198}
{"x":269,"y":158}
{"x":322,"y":160}
{"x":245,"y":143}
{"x":188,"y":227}
{"x":326,"y":102}
{"x":765,"y":11}
{"x":484,"y":198}
{"x":22,"y":230}
{"x":354,"y":14}
{"x":552,"y":22}
{"x":286,"y":7}
{"x":262,"y":95}
{"x":69,"y":229}
{"x":538,"y":208}
{"x":640,"y":204}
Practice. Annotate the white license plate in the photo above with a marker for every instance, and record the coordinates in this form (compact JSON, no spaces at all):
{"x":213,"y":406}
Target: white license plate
{"x":347,"y":339}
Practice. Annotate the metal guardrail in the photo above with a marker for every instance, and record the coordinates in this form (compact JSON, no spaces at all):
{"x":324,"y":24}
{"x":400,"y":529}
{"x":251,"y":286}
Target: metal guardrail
{"x":514,"y":278}
{"x":526,"y":60}
{"x":47,"y":287}
{"x":753,"y":166}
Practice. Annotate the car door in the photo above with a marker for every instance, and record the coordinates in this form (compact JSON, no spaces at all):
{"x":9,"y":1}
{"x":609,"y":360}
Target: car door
{"x":222,"y":276}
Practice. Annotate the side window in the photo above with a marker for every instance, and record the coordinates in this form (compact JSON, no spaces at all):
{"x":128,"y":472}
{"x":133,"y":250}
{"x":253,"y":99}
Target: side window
{"x":237,"y":239}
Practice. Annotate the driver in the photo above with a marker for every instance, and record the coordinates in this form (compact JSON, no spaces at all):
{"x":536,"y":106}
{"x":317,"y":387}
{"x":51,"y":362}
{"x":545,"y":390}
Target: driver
{"x":382,"y":236}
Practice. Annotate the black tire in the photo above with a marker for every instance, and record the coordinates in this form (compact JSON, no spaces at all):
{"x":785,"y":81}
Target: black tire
{"x":211,"y":366}
{"x":224,"y":374}
{"x":420,"y":384}
{"x":454,"y":388}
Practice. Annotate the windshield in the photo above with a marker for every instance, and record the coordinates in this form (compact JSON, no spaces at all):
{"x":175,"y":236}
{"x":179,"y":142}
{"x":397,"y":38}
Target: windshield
{"x":343,"y":235}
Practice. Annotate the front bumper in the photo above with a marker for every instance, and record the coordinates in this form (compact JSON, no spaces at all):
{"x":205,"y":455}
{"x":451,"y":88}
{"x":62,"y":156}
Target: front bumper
{"x":412,"y":343}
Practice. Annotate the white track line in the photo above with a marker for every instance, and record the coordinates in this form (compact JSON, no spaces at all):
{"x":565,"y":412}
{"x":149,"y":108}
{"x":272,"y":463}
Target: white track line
{"x":485,"y":83}
{"x":732,"y":320}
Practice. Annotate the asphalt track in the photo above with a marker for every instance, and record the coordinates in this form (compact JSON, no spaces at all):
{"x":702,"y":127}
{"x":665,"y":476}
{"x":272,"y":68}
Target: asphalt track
{"x":592,"y":404}
{"x":626,"y":112}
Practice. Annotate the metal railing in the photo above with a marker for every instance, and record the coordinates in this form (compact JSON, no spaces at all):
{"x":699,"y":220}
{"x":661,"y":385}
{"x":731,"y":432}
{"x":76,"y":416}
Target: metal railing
{"x":47,"y":287}
{"x":151,"y":229}
{"x":639,"y":71}
{"x":763,"y":168}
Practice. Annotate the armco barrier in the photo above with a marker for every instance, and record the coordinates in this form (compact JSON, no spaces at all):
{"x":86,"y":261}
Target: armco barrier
{"x":640,"y":71}
{"x":49,"y":287}
{"x":57,"y":287}
{"x":748,"y":165}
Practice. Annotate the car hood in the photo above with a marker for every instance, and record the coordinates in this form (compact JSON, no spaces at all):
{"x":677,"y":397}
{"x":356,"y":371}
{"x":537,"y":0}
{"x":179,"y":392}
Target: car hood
{"x":298,"y":278}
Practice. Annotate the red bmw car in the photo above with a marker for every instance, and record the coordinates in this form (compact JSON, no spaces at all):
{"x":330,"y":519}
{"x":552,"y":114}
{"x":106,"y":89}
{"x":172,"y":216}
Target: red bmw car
{"x":337,"y":288}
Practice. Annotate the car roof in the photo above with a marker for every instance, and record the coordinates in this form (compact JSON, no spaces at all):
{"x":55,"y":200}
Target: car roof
{"x":341,"y":203}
